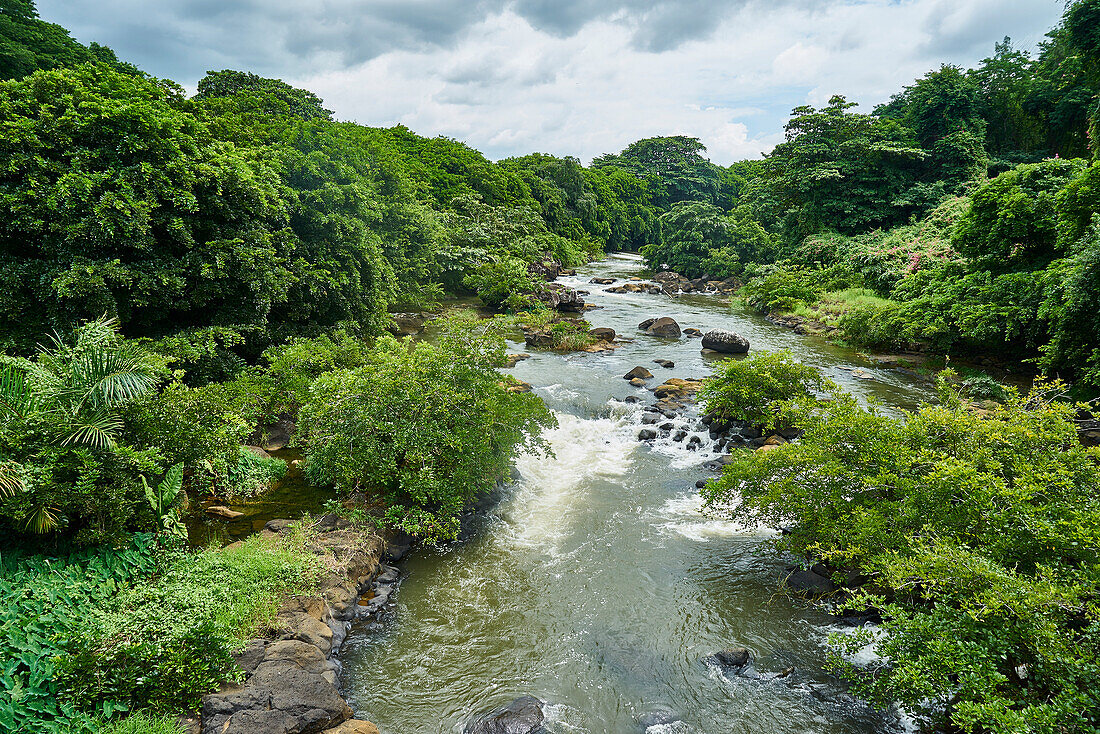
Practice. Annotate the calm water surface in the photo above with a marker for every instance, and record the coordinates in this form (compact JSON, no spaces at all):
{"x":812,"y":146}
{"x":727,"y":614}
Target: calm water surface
{"x":597,"y":585}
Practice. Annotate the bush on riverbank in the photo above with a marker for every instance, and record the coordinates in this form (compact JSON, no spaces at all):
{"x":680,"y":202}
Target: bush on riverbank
{"x":94,"y":635}
{"x":429,"y":427}
{"x":765,"y":388}
{"x":976,"y":538}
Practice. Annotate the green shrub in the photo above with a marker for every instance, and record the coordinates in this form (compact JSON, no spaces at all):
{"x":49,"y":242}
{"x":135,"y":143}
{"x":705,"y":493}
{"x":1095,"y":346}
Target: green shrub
{"x":427,"y":426}
{"x":162,"y":645}
{"x":761,"y":388}
{"x":253,"y":474}
{"x":978,"y":539}
{"x":44,"y":604}
{"x":505,"y":283}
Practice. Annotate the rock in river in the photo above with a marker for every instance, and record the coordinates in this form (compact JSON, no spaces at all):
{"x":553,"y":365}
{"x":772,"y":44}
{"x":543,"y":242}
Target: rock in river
{"x":733,"y":658}
{"x":603,"y":333}
{"x":664,"y":327}
{"x":522,"y":716}
{"x":637,"y":372}
{"x":726,"y":342}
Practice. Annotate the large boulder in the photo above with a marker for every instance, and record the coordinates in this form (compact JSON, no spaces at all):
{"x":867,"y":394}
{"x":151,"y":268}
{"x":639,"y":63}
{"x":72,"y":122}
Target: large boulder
{"x":727,"y":342}
{"x":522,"y":716}
{"x":562,"y":298}
{"x":603,"y":333}
{"x":663,"y":327}
{"x":406,"y":324}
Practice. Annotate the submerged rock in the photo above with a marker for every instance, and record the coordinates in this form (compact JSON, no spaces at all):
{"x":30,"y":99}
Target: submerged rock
{"x":727,"y":342}
{"x":666,"y":363}
{"x":223,"y":511}
{"x":732,"y":657}
{"x":522,"y":716}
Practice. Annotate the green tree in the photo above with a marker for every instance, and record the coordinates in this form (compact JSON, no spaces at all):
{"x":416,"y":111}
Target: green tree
{"x":428,"y":427}
{"x":673,"y":167}
{"x":274,"y":95}
{"x":116,"y":202}
{"x":974,"y":537}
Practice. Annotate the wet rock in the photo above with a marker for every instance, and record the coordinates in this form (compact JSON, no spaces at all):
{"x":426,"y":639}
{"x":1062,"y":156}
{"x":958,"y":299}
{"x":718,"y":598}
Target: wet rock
{"x":700,"y":484}
{"x":354,"y":726}
{"x":733,"y":658}
{"x":637,"y":382}
{"x":694,"y":443}
{"x":224,"y":512}
{"x":602,"y":281}
{"x":638,"y":372}
{"x":406,"y":324}
{"x":664,"y":327}
{"x":522,"y":716}
{"x":562,"y":298}
{"x":277,"y":436}
{"x":692,"y":332}
{"x":680,"y":435}
{"x":632,"y":399}
{"x":650,"y":418}
{"x":667,"y":426}
{"x":806,"y":581}
{"x":513,"y":359}
{"x":518,"y":386}
{"x":666,"y":363}
{"x":647,"y":434}
{"x":603,"y":333}
{"x":726,"y":342}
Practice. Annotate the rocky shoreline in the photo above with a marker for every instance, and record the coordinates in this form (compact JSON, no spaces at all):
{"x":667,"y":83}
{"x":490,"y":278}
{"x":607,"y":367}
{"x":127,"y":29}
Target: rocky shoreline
{"x":293,"y":673}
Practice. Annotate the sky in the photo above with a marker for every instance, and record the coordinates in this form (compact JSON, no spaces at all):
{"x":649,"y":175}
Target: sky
{"x":567,"y":77}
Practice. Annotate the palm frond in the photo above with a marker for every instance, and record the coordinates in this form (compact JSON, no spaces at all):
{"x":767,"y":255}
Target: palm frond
{"x":96,"y":431}
{"x":11,"y":479}
{"x":42,"y":520}
{"x":16,"y":396}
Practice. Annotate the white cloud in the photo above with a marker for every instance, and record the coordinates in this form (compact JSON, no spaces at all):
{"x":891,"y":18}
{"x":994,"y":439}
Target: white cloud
{"x":577,"y":77}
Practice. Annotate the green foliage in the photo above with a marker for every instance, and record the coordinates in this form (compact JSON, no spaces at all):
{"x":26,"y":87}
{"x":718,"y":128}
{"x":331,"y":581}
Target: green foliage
{"x":1012,"y":221}
{"x":275,"y":96}
{"x":60,"y":421}
{"x":162,"y":645}
{"x":763,"y":388}
{"x":44,"y":603}
{"x":673,"y":168}
{"x":163,"y":500}
{"x":977,"y":537}
{"x":427,"y":426}
{"x":252,"y":474}
{"x":505,"y":283}
{"x":115,"y":202}
{"x":697,"y":239}
{"x":203,"y":427}
{"x":28,"y":43}
{"x":842,"y":171}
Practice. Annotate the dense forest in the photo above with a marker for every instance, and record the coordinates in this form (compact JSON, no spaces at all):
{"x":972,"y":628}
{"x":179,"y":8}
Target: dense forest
{"x":179,"y":272}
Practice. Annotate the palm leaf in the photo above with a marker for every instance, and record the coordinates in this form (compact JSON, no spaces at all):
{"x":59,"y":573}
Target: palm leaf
{"x":11,"y":479}
{"x":96,"y":431}
{"x":42,"y":520}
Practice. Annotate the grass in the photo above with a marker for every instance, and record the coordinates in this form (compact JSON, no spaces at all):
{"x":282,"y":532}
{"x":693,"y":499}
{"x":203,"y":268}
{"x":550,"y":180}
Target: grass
{"x":832,"y":305}
{"x":140,"y":723}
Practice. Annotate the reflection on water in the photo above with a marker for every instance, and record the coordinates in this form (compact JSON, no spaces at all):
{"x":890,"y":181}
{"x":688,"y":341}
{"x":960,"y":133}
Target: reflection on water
{"x":597,"y":585}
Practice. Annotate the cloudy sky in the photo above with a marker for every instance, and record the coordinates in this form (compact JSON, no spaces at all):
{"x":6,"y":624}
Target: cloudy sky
{"x":569,"y":77}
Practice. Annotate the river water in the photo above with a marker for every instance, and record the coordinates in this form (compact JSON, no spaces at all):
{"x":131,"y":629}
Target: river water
{"x":597,"y":585}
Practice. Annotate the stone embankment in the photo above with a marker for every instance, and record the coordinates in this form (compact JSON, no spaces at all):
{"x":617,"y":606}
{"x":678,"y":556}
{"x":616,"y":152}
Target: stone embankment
{"x":292,"y":674}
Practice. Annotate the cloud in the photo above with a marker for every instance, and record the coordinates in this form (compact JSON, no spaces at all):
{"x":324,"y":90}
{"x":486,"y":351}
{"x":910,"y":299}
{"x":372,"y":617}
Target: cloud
{"x":569,"y":77}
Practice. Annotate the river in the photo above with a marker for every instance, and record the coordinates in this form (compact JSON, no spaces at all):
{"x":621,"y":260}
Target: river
{"x":596,"y":584}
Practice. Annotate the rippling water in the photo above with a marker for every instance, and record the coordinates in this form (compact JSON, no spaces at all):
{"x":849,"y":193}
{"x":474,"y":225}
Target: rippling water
{"x":597,"y":585}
